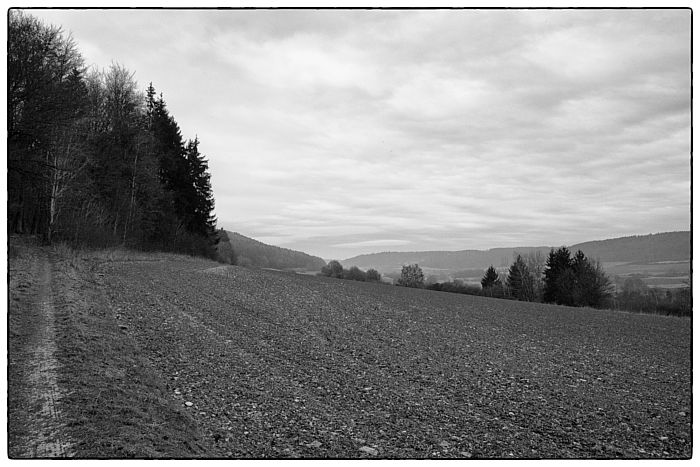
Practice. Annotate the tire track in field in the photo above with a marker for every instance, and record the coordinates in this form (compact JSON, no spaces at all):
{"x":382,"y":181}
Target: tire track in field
{"x":44,"y":438}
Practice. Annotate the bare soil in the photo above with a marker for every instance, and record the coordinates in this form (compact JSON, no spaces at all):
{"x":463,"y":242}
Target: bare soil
{"x":166,"y":356}
{"x":34,"y":396}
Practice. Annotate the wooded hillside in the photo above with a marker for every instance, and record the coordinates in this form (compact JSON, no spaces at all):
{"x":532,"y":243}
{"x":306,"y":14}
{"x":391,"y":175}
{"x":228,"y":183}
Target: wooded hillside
{"x":250,"y":252}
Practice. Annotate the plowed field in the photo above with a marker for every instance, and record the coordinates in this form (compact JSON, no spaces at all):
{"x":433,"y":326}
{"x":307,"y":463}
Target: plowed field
{"x":181,"y":357}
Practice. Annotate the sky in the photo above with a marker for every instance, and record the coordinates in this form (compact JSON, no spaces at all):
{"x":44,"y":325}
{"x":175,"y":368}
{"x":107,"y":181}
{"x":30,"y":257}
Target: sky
{"x":340,"y":132}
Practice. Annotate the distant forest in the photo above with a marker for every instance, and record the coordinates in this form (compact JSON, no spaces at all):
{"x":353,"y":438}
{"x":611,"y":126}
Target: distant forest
{"x":93,"y":160}
{"x":251,"y":252}
{"x":669,"y":246}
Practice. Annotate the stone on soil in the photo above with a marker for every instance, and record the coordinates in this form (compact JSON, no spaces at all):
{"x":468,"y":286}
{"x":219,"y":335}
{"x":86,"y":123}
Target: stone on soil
{"x":369,"y":450}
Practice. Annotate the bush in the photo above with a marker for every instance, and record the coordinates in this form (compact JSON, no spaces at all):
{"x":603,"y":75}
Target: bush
{"x":456,"y":286}
{"x":495,"y":291}
{"x":637,"y":296}
{"x":332,"y":269}
{"x":373,"y":276}
{"x":335,"y":269}
{"x":355,"y":274}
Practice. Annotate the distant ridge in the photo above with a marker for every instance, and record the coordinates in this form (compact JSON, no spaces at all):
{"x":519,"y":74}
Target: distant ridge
{"x":250,"y":252}
{"x":668,"y":246}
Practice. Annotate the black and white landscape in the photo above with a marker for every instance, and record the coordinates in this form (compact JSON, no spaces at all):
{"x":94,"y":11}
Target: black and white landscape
{"x":349,"y":233}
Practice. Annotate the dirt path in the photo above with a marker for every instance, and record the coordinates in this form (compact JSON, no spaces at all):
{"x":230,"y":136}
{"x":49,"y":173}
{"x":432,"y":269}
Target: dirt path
{"x":35,"y":396}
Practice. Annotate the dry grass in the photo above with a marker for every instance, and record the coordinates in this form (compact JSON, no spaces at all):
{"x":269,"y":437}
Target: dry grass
{"x":116,"y":404}
{"x":119,"y":406}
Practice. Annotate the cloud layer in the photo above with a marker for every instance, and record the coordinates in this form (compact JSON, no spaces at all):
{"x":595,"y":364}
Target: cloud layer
{"x":340,"y":132}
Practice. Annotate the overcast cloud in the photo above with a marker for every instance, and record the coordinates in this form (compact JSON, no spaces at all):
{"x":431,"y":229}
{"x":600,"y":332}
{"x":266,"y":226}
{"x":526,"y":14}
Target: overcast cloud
{"x":341,"y":132}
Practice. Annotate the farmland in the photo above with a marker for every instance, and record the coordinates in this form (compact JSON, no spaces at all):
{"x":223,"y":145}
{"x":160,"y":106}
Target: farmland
{"x":666,"y":274}
{"x":171,"y":356}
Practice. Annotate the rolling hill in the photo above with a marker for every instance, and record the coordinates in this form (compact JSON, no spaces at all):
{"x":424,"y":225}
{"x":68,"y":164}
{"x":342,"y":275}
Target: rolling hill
{"x":662,"y":254}
{"x":668,"y":246}
{"x":447,"y":260}
{"x":250,"y":252}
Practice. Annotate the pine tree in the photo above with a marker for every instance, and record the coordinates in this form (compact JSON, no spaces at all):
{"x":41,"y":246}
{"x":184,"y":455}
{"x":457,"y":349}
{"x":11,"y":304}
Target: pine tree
{"x":591,"y":286}
{"x":490,"y":278}
{"x":171,"y":221}
{"x":575,"y":281}
{"x":520,"y":281}
{"x":201,"y":203}
{"x":556,"y":278}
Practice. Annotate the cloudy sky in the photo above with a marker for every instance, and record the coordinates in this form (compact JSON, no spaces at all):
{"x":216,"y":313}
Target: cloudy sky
{"x":339,"y":132}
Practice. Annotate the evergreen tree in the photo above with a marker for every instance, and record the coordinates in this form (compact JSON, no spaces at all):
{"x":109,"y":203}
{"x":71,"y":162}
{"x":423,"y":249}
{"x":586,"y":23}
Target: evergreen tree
{"x":490,"y":278}
{"x":519,"y":281}
{"x":575,"y":281}
{"x":556,"y":281}
{"x":200,"y":218}
{"x":591,"y":284}
{"x":187,"y":212}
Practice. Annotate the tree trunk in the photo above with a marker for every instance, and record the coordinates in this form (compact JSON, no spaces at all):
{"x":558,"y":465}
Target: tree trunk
{"x":133,"y":194}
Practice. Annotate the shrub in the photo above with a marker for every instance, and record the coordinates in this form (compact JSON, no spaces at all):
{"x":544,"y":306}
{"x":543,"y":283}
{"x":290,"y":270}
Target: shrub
{"x":332,"y":269}
{"x":411,"y":276}
{"x":498,"y":290}
{"x":373,"y":275}
{"x":355,"y":274}
{"x":456,"y":286}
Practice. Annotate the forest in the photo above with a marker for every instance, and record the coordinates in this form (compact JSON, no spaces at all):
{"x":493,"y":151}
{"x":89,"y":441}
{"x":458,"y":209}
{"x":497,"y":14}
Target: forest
{"x":92,"y":159}
{"x":252,"y":253}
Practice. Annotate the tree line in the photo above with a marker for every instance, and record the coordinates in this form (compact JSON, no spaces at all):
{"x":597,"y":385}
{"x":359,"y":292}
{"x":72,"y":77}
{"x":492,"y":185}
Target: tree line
{"x":635,"y":295}
{"x":94,"y":161}
{"x":562,"y":279}
{"x":336,"y":270}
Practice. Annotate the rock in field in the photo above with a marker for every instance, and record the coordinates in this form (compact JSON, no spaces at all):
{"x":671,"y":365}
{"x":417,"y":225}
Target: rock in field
{"x":369,"y":450}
